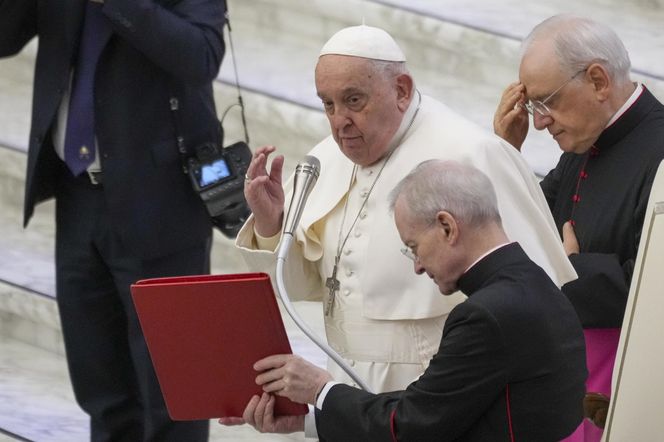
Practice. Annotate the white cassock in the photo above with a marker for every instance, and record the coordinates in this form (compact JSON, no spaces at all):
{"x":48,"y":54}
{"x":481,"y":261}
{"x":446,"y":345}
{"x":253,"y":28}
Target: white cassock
{"x":387,"y":321}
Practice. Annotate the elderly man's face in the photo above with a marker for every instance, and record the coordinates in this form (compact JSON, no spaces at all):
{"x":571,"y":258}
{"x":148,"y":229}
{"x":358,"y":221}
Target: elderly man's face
{"x":575,"y":119}
{"x":362,"y":106}
{"x":434,"y":254}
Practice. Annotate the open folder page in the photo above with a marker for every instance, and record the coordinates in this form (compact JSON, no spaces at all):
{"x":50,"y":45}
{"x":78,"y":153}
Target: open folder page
{"x":204,"y":334}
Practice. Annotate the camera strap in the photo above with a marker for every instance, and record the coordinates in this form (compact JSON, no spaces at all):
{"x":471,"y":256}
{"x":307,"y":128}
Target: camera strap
{"x":174,"y":104}
{"x":240,"y":102}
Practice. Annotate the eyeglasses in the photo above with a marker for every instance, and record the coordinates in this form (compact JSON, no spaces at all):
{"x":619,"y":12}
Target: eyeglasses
{"x":540,"y":106}
{"x":408,"y":253}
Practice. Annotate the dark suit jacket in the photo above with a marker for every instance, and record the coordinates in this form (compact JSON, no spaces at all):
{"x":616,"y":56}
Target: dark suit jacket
{"x":512,"y":359}
{"x":158,"y":50}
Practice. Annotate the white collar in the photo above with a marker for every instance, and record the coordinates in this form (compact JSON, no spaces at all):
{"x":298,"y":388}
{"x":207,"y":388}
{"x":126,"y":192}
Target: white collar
{"x":630,"y":101}
{"x":488,"y":252}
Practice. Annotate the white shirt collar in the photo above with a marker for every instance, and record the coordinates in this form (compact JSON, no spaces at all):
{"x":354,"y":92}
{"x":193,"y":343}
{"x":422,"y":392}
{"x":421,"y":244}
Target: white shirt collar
{"x":485,"y":254}
{"x":630,"y":101}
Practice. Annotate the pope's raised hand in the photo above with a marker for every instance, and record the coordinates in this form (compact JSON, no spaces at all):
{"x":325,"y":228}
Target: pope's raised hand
{"x":264,"y":192}
{"x":510,"y":122}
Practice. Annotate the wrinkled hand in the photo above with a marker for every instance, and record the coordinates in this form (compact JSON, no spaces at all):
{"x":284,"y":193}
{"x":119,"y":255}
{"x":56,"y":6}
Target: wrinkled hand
{"x":510,"y":122}
{"x":292,"y":377}
{"x":570,"y":243}
{"x":259,"y":413}
{"x":264,"y":193}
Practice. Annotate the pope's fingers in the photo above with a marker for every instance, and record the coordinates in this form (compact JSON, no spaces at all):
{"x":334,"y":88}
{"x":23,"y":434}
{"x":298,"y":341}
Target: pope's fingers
{"x":258,"y":164}
{"x":231,"y":421}
{"x":268,"y":414}
{"x":259,"y":412}
{"x":249,"y":410}
{"x":276,"y":168}
{"x":272,"y":361}
{"x":274,"y":386}
{"x":267,"y":150}
{"x":272,"y":375}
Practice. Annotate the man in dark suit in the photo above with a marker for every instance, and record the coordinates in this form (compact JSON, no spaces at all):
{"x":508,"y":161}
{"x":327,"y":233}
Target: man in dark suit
{"x":511,"y":363}
{"x":119,"y":86}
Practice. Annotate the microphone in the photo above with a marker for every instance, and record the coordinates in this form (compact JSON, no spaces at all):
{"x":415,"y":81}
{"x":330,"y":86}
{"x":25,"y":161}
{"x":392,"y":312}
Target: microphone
{"x":306,"y":175}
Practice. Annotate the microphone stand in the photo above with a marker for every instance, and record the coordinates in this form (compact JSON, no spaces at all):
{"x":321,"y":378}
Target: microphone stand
{"x":284,"y":247}
{"x":292,"y":220}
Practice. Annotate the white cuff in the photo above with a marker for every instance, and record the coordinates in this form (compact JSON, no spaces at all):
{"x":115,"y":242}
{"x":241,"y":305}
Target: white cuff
{"x":323,"y":393}
{"x":310,"y":431}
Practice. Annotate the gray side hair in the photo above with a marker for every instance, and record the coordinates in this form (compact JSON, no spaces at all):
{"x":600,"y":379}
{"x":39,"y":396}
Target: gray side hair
{"x":389,"y":69}
{"x":580,"y":41}
{"x":461,"y":189}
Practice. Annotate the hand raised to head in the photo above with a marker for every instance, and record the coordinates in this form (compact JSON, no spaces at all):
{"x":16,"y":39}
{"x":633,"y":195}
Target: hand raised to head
{"x":263,"y":191}
{"x":510,"y":122}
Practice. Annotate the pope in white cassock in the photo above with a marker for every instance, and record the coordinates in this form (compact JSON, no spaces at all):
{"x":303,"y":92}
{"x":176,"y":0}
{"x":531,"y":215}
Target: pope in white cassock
{"x":379,"y":316}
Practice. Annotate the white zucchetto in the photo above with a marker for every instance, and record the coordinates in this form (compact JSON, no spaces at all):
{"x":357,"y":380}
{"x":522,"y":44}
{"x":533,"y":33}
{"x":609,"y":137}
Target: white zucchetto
{"x":364,"y":41}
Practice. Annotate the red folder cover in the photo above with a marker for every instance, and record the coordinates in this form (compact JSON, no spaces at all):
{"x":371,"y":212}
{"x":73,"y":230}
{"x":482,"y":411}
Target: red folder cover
{"x":204,"y":334}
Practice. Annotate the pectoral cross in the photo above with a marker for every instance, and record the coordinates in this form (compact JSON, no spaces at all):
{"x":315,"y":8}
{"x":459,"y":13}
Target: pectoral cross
{"x":332,"y":283}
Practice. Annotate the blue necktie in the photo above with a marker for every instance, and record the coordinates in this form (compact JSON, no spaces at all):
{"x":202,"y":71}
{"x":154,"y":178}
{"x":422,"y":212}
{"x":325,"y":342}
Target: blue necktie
{"x":80,"y":134}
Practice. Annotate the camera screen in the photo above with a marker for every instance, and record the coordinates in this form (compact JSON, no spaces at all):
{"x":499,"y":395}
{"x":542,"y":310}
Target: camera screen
{"x":213,"y":173}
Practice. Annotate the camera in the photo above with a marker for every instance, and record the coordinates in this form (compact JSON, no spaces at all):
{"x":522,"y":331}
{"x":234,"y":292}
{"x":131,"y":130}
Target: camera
{"x":217,"y":175}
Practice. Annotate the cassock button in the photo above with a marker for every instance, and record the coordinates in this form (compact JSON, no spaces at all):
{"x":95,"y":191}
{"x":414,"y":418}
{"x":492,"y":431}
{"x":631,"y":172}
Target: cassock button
{"x":594,"y":151}
{"x":349,"y":272}
{"x":363,"y":215}
{"x":347,"y":252}
{"x":364,"y":194}
{"x":358,"y":233}
{"x":576,"y":198}
{"x":572,"y":222}
{"x":352,"y":363}
{"x":584,"y":174}
{"x":346,"y":292}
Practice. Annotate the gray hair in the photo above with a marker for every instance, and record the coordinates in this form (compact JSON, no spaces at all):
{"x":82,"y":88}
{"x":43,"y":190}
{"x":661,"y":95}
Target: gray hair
{"x":460,"y":189}
{"x":389,"y":69}
{"x":580,"y":41}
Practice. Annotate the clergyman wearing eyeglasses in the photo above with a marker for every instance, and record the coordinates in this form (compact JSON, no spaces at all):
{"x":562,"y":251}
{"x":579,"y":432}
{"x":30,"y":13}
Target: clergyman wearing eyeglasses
{"x":510,"y":364}
{"x":574,"y":81}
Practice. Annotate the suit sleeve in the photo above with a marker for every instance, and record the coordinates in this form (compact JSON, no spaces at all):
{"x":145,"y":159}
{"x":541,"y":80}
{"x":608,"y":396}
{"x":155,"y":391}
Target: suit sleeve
{"x":18,"y":24}
{"x":464,"y":378}
{"x":185,"y":39}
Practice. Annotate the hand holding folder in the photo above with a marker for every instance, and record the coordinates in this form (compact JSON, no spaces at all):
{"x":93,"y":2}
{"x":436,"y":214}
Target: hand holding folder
{"x":204,"y":334}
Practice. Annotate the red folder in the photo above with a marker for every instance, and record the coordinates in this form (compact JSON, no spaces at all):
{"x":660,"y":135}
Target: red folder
{"x":204,"y":334}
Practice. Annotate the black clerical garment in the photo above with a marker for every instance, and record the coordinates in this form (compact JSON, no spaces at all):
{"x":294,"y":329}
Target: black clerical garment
{"x":604,"y":192}
{"x":511,"y":363}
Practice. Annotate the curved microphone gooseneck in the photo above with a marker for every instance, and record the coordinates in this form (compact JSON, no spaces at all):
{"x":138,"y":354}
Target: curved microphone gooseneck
{"x":306,"y":174}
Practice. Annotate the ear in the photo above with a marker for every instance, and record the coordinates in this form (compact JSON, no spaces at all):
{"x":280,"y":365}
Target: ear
{"x":404,"y":84}
{"x":600,"y":79}
{"x":449,"y":226}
